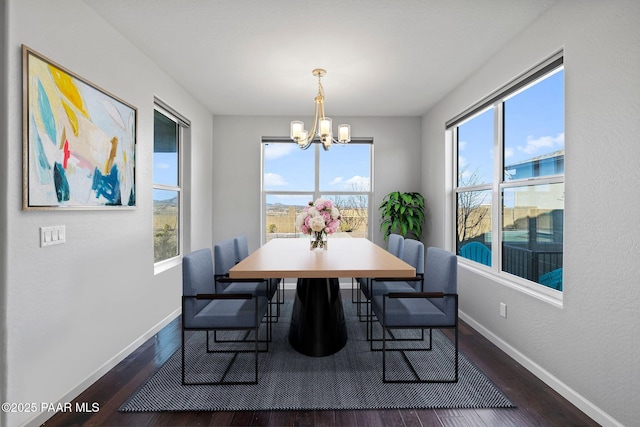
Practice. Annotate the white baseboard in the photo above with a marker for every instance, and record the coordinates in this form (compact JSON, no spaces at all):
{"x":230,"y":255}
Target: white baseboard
{"x":110,"y":364}
{"x":579,"y":401}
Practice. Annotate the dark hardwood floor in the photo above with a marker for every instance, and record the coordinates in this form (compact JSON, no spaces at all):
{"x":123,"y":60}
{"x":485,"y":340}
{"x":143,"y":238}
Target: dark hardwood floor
{"x":537,"y":404}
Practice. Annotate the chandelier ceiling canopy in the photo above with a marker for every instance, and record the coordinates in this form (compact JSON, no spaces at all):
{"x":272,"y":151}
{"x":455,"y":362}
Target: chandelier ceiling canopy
{"x":322,"y":126}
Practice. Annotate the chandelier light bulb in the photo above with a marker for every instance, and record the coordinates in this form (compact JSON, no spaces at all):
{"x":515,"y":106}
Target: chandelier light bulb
{"x":325,"y":127}
{"x":344,"y":133}
{"x":297,"y":128}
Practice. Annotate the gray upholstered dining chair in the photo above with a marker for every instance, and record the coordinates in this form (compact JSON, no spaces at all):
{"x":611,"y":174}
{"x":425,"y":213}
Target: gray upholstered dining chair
{"x":435,"y":307}
{"x":224,"y":256}
{"x":412,"y":254}
{"x":241,"y":248}
{"x":203,"y":309}
{"x":395,"y":246}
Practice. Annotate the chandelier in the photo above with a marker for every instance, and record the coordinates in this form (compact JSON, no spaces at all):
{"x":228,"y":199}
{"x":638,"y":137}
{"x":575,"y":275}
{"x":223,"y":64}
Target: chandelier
{"x":322,"y":127}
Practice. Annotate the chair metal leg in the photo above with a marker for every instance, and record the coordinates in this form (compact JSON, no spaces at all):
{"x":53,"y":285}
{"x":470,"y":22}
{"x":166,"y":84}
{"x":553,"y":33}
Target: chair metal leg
{"x":274,"y":317}
{"x":360,"y":302}
{"x":410,"y":365}
{"x":353,"y":290}
{"x":235,"y":353}
{"x":183,"y":350}
{"x":257,"y":323}
{"x":456,"y":350}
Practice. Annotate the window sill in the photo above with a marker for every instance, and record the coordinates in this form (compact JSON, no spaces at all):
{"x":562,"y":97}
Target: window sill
{"x":550,"y":296}
{"x":162,"y":266}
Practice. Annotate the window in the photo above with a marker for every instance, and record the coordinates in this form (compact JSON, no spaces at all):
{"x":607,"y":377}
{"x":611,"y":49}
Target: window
{"x":168,"y":133}
{"x":509,"y":178}
{"x":293,"y":177}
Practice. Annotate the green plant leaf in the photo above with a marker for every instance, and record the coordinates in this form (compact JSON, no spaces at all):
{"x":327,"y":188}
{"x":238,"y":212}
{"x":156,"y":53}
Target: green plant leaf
{"x":402,"y":213}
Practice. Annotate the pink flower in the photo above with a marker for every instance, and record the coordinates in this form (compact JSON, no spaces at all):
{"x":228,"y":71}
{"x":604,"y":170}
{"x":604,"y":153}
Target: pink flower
{"x":316,"y":223}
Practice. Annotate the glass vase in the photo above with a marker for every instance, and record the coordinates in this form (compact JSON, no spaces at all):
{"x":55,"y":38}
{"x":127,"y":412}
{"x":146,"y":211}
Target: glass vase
{"x":319,"y":240}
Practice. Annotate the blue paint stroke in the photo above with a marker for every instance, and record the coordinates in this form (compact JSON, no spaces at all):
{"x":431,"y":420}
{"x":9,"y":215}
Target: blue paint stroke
{"x":48,"y":120}
{"x":132,"y":198}
{"x":61,"y":183}
{"x":107,"y":186}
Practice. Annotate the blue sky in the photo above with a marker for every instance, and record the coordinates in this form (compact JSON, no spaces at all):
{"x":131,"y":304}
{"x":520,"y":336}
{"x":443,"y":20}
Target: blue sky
{"x":165,"y":171}
{"x":288,"y":168}
{"x":534,"y":126}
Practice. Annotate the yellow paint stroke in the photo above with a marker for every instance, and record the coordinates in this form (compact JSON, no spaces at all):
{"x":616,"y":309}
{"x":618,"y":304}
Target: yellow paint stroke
{"x":63,"y":138}
{"x":68,"y":88}
{"x":112,"y":155}
{"x":73,"y":119}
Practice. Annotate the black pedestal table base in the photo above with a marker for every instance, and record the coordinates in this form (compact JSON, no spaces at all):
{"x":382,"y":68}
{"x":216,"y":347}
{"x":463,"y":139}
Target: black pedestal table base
{"x":318,"y":326}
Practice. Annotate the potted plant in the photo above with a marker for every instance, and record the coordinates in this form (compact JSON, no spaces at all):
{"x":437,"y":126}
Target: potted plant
{"x":402,"y":213}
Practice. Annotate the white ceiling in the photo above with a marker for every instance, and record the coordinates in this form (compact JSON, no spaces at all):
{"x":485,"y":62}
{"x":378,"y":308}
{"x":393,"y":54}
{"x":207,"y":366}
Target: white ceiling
{"x":383,"y":58}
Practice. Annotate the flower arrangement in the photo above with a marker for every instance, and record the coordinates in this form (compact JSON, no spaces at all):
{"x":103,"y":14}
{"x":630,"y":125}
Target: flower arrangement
{"x":319,"y":219}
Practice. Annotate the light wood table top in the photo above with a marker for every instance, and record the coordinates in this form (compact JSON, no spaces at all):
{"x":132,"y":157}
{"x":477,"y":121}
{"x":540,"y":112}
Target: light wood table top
{"x":345,"y":257}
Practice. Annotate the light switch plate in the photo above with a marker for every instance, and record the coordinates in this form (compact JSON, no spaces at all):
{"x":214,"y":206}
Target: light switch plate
{"x":54,"y":235}
{"x":503,"y":309}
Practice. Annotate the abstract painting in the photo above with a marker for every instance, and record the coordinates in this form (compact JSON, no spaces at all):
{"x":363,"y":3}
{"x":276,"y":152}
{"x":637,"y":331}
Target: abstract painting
{"x":79,"y":141}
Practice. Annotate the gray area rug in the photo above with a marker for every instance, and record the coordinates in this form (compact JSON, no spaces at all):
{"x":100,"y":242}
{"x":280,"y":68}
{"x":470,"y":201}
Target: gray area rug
{"x":349,"y":379}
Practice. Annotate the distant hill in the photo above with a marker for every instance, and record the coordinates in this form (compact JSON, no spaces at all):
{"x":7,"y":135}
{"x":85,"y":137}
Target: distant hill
{"x":167,"y":207}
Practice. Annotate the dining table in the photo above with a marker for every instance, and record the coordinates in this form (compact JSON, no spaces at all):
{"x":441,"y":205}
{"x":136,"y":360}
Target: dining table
{"x":318,"y":326}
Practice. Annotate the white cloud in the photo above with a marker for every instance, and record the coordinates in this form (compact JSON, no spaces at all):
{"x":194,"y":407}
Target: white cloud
{"x":545,"y":142}
{"x":273,"y":180}
{"x":275,"y":151}
{"x":163,"y":166}
{"x":462,"y":145}
{"x":508,"y":153}
{"x":462,"y":162}
{"x":357,"y":182}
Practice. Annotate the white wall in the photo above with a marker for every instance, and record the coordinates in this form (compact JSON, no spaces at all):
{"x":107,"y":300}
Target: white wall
{"x":589,"y":348}
{"x":3,"y":190}
{"x":73,"y":310}
{"x":236,"y":164}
